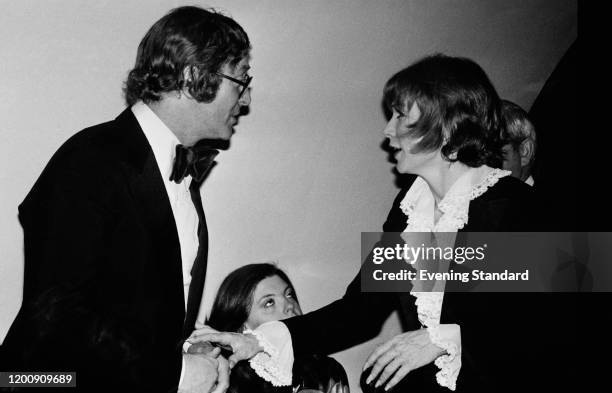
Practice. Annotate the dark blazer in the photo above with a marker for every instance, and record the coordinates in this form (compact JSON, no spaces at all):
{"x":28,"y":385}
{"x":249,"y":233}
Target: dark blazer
{"x":103,"y":289}
{"x":507,"y":338}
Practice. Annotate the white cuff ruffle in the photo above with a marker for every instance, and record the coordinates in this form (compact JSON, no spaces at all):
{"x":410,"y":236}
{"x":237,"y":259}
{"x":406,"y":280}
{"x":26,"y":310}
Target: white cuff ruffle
{"x":275,"y":363}
{"x":447,"y":337}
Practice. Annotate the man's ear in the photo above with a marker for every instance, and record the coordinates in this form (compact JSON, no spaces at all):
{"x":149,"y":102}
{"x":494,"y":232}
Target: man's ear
{"x":527,"y":151}
{"x":189,"y":74}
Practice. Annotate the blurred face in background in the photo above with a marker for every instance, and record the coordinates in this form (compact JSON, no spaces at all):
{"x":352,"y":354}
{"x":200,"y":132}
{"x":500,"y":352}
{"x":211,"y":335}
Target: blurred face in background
{"x":512,"y":159}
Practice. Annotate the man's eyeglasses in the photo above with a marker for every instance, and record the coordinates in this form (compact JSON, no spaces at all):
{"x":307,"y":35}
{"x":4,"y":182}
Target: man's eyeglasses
{"x":244,"y":83}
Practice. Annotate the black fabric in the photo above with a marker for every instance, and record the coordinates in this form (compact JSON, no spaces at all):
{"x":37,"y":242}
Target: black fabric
{"x":312,"y":371}
{"x":318,"y":372}
{"x":510,"y":341}
{"x":554,"y":114}
{"x":103,"y":288}
{"x":195,"y":161}
{"x":198,"y":270}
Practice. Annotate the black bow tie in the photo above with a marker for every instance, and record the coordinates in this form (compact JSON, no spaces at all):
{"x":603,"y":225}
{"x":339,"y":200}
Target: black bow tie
{"x":195,"y":161}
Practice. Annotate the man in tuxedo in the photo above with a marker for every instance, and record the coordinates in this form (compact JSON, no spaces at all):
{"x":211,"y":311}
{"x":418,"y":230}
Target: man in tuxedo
{"x":114,"y":229}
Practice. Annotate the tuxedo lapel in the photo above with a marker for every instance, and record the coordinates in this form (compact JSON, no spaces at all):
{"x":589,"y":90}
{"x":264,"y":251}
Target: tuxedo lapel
{"x":149,"y":193}
{"x":198,"y":270}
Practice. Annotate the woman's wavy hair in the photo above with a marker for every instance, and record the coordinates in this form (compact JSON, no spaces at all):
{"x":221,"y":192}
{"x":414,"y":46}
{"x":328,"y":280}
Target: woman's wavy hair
{"x":460,"y":109}
{"x":234,"y":299}
{"x":187,"y":38}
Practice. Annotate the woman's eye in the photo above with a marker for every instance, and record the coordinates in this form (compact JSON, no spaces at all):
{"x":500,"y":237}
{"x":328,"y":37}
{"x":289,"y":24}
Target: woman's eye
{"x":291,"y":295}
{"x":269,"y":303}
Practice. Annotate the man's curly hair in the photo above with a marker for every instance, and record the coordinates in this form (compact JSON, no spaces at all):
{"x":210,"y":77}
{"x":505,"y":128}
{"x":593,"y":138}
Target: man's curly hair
{"x":187,"y":38}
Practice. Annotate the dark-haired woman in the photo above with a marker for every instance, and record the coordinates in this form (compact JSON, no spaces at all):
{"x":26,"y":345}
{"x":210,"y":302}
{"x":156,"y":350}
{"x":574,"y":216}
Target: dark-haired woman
{"x":446,"y":129}
{"x":251,"y":296}
{"x":447,"y":136}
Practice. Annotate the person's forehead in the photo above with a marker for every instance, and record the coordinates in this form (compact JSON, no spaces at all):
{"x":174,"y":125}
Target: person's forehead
{"x":269,"y":285}
{"x":404,"y":102}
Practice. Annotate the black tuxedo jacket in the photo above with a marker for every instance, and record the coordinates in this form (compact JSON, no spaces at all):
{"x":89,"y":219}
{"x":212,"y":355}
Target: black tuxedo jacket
{"x":509,"y":340}
{"x":103,"y":288}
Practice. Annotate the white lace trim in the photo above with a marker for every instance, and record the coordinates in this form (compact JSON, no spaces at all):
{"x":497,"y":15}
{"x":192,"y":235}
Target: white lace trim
{"x":429,"y":307}
{"x":450,"y":363}
{"x":272,"y":364}
{"x":419,"y":206}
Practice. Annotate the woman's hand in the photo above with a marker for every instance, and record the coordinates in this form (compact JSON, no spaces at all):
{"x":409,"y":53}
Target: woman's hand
{"x":243,"y":346}
{"x":400,"y":355}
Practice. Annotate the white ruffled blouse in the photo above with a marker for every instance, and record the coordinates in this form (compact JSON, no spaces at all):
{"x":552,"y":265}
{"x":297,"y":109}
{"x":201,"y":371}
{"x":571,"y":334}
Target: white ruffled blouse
{"x":275,"y":363}
{"x":419,"y":207}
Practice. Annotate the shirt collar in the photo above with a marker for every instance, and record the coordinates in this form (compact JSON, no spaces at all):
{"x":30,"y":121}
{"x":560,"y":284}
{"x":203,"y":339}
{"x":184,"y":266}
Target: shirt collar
{"x":162,"y":140}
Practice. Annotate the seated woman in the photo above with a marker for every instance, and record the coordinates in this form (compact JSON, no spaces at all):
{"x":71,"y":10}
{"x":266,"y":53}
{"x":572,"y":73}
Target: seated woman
{"x":258,"y":293}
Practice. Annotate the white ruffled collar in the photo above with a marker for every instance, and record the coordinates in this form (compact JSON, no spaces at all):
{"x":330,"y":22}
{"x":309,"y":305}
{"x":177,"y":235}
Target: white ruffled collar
{"x":419,"y":206}
{"x":419,"y":202}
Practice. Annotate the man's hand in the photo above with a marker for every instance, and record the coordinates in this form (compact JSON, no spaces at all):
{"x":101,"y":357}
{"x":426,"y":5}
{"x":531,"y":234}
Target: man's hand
{"x":203,"y":348}
{"x":224,"y":375}
{"x":243,"y":346}
{"x":400,"y":355}
{"x":203,"y":373}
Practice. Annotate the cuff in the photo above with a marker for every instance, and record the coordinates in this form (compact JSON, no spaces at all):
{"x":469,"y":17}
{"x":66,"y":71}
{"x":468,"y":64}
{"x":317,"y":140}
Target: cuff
{"x":447,"y":337}
{"x":275,"y":363}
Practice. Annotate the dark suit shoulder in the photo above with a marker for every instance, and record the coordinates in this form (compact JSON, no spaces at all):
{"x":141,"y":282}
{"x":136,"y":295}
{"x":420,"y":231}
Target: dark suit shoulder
{"x":112,"y":139}
{"x":509,"y":205}
{"x":91,"y":159}
{"x":509,"y":188}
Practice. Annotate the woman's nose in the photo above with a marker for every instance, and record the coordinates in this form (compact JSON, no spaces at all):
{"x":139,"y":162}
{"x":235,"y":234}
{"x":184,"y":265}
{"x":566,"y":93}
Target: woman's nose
{"x":289,"y":307}
{"x":389,"y":130}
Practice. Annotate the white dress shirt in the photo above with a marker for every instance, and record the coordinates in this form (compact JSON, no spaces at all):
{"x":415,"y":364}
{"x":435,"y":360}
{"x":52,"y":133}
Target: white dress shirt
{"x":163,"y":143}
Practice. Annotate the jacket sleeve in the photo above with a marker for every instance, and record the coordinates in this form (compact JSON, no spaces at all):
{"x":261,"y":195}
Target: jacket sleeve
{"x":356,"y":317}
{"x":66,"y":321}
